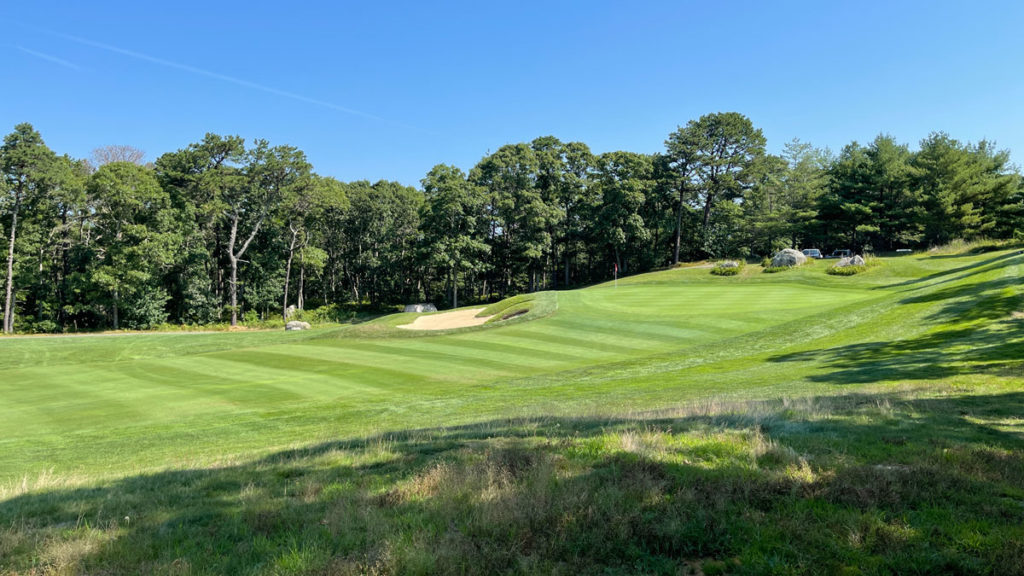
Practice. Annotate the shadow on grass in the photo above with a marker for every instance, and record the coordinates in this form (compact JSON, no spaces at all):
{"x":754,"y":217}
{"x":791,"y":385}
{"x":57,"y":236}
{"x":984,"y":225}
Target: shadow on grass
{"x":965,"y":271}
{"x":978,"y":328}
{"x":884,"y":483}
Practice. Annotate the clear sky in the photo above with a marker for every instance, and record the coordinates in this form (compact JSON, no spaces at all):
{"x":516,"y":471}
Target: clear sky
{"x":376,"y":90}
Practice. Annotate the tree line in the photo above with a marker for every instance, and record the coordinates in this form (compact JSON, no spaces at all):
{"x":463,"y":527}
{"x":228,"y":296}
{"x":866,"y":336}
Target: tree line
{"x":226,"y":230}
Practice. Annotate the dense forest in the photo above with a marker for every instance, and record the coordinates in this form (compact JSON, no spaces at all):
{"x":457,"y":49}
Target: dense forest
{"x":227,"y":230}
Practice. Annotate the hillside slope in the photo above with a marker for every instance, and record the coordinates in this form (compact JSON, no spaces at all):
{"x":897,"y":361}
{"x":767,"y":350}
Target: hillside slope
{"x":787,"y":423}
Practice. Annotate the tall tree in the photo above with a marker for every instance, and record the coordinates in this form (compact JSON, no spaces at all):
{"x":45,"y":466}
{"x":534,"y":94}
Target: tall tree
{"x":576,"y":196}
{"x":299,"y":202}
{"x":249,"y":199}
{"x":846,"y":209}
{"x":721,"y":148}
{"x":624,"y":179}
{"x":25,"y":162}
{"x":453,"y":225}
{"x":381,"y":228}
{"x":132,"y":218}
{"x":681,"y":157}
{"x":964,"y":187}
{"x":521,"y":219}
{"x":117,"y":153}
{"x":894,"y":204}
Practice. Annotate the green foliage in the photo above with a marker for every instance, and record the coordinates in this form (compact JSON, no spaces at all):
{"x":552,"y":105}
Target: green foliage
{"x":330,"y":314}
{"x":454,"y":226}
{"x":720,"y":270}
{"x":869,"y":263}
{"x":845,"y":270}
{"x":225,"y":226}
{"x":716,"y":158}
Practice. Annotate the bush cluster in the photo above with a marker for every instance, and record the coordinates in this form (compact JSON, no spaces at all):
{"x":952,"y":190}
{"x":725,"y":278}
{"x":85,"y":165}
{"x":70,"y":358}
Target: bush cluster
{"x":720,"y":270}
{"x":845,"y":270}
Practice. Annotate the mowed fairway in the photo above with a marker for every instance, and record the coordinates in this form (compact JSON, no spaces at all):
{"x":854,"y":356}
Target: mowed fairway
{"x":791,"y":423}
{"x":112,"y":404}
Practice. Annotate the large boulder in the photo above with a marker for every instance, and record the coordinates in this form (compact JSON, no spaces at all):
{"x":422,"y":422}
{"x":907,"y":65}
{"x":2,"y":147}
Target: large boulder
{"x":290,"y":311}
{"x":729,"y":264}
{"x":420,"y":308}
{"x":788,"y":257}
{"x":296,"y":325}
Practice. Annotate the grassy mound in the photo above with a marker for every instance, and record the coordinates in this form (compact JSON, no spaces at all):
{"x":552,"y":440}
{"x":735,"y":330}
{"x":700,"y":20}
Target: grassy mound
{"x":796,"y":423}
{"x":498,"y":308}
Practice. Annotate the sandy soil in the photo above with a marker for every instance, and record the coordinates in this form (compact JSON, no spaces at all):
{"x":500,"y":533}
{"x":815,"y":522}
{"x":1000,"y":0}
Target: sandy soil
{"x":447,"y":320}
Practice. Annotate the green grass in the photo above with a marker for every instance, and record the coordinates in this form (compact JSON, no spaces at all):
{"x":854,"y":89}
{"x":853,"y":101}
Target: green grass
{"x":503,"y":305}
{"x":787,"y":423}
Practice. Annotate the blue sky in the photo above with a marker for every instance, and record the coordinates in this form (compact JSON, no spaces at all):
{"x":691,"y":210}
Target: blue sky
{"x":389,"y":90}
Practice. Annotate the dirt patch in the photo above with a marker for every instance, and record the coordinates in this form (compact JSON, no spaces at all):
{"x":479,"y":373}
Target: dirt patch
{"x":447,"y":320}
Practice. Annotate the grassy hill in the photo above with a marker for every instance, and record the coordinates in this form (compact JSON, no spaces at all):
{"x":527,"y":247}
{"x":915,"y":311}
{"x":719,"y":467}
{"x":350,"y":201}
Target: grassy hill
{"x":681,"y":422}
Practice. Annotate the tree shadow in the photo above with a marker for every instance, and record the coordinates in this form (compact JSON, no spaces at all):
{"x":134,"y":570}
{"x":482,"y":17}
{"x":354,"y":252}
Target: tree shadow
{"x":978,"y":328}
{"x":879,"y":481}
{"x":971,"y":269}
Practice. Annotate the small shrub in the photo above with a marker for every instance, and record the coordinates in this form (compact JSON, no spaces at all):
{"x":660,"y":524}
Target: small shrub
{"x":773,"y":269}
{"x":331,"y":313}
{"x":716,"y":271}
{"x":721,"y":270}
{"x":869,"y":262}
{"x":845,"y":270}
{"x":40,"y":327}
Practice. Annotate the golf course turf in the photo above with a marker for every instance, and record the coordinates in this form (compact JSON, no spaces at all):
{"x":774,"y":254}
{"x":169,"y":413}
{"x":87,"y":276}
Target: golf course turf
{"x":679,"y":422}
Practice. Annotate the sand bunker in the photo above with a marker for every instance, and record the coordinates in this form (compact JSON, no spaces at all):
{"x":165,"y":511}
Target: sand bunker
{"x":447,"y":320}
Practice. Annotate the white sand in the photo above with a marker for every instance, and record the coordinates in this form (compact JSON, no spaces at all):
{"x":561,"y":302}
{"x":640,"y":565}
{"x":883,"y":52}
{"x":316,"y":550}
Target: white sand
{"x":447,"y":320}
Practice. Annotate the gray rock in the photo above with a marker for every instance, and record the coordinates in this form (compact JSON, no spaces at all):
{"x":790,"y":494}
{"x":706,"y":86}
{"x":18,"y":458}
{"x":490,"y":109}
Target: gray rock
{"x":290,"y":311}
{"x":729,"y":264}
{"x":788,"y":257}
{"x":854,"y":261}
{"x":296,"y":325}
{"x":420,"y":308}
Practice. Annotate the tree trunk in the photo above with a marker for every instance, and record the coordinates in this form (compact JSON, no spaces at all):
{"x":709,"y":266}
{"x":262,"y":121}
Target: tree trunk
{"x":234,"y":290}
{"x":9,"y":301}
{"x":288,"y":273}
{"x":455,"y":289}
{"x":65,"y":268}
{"x":116,"y":298}
{"x":679,"y":226}
{"x":234,"y":260}
{"x":302,"y":282}
{"x":707,"y":213}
